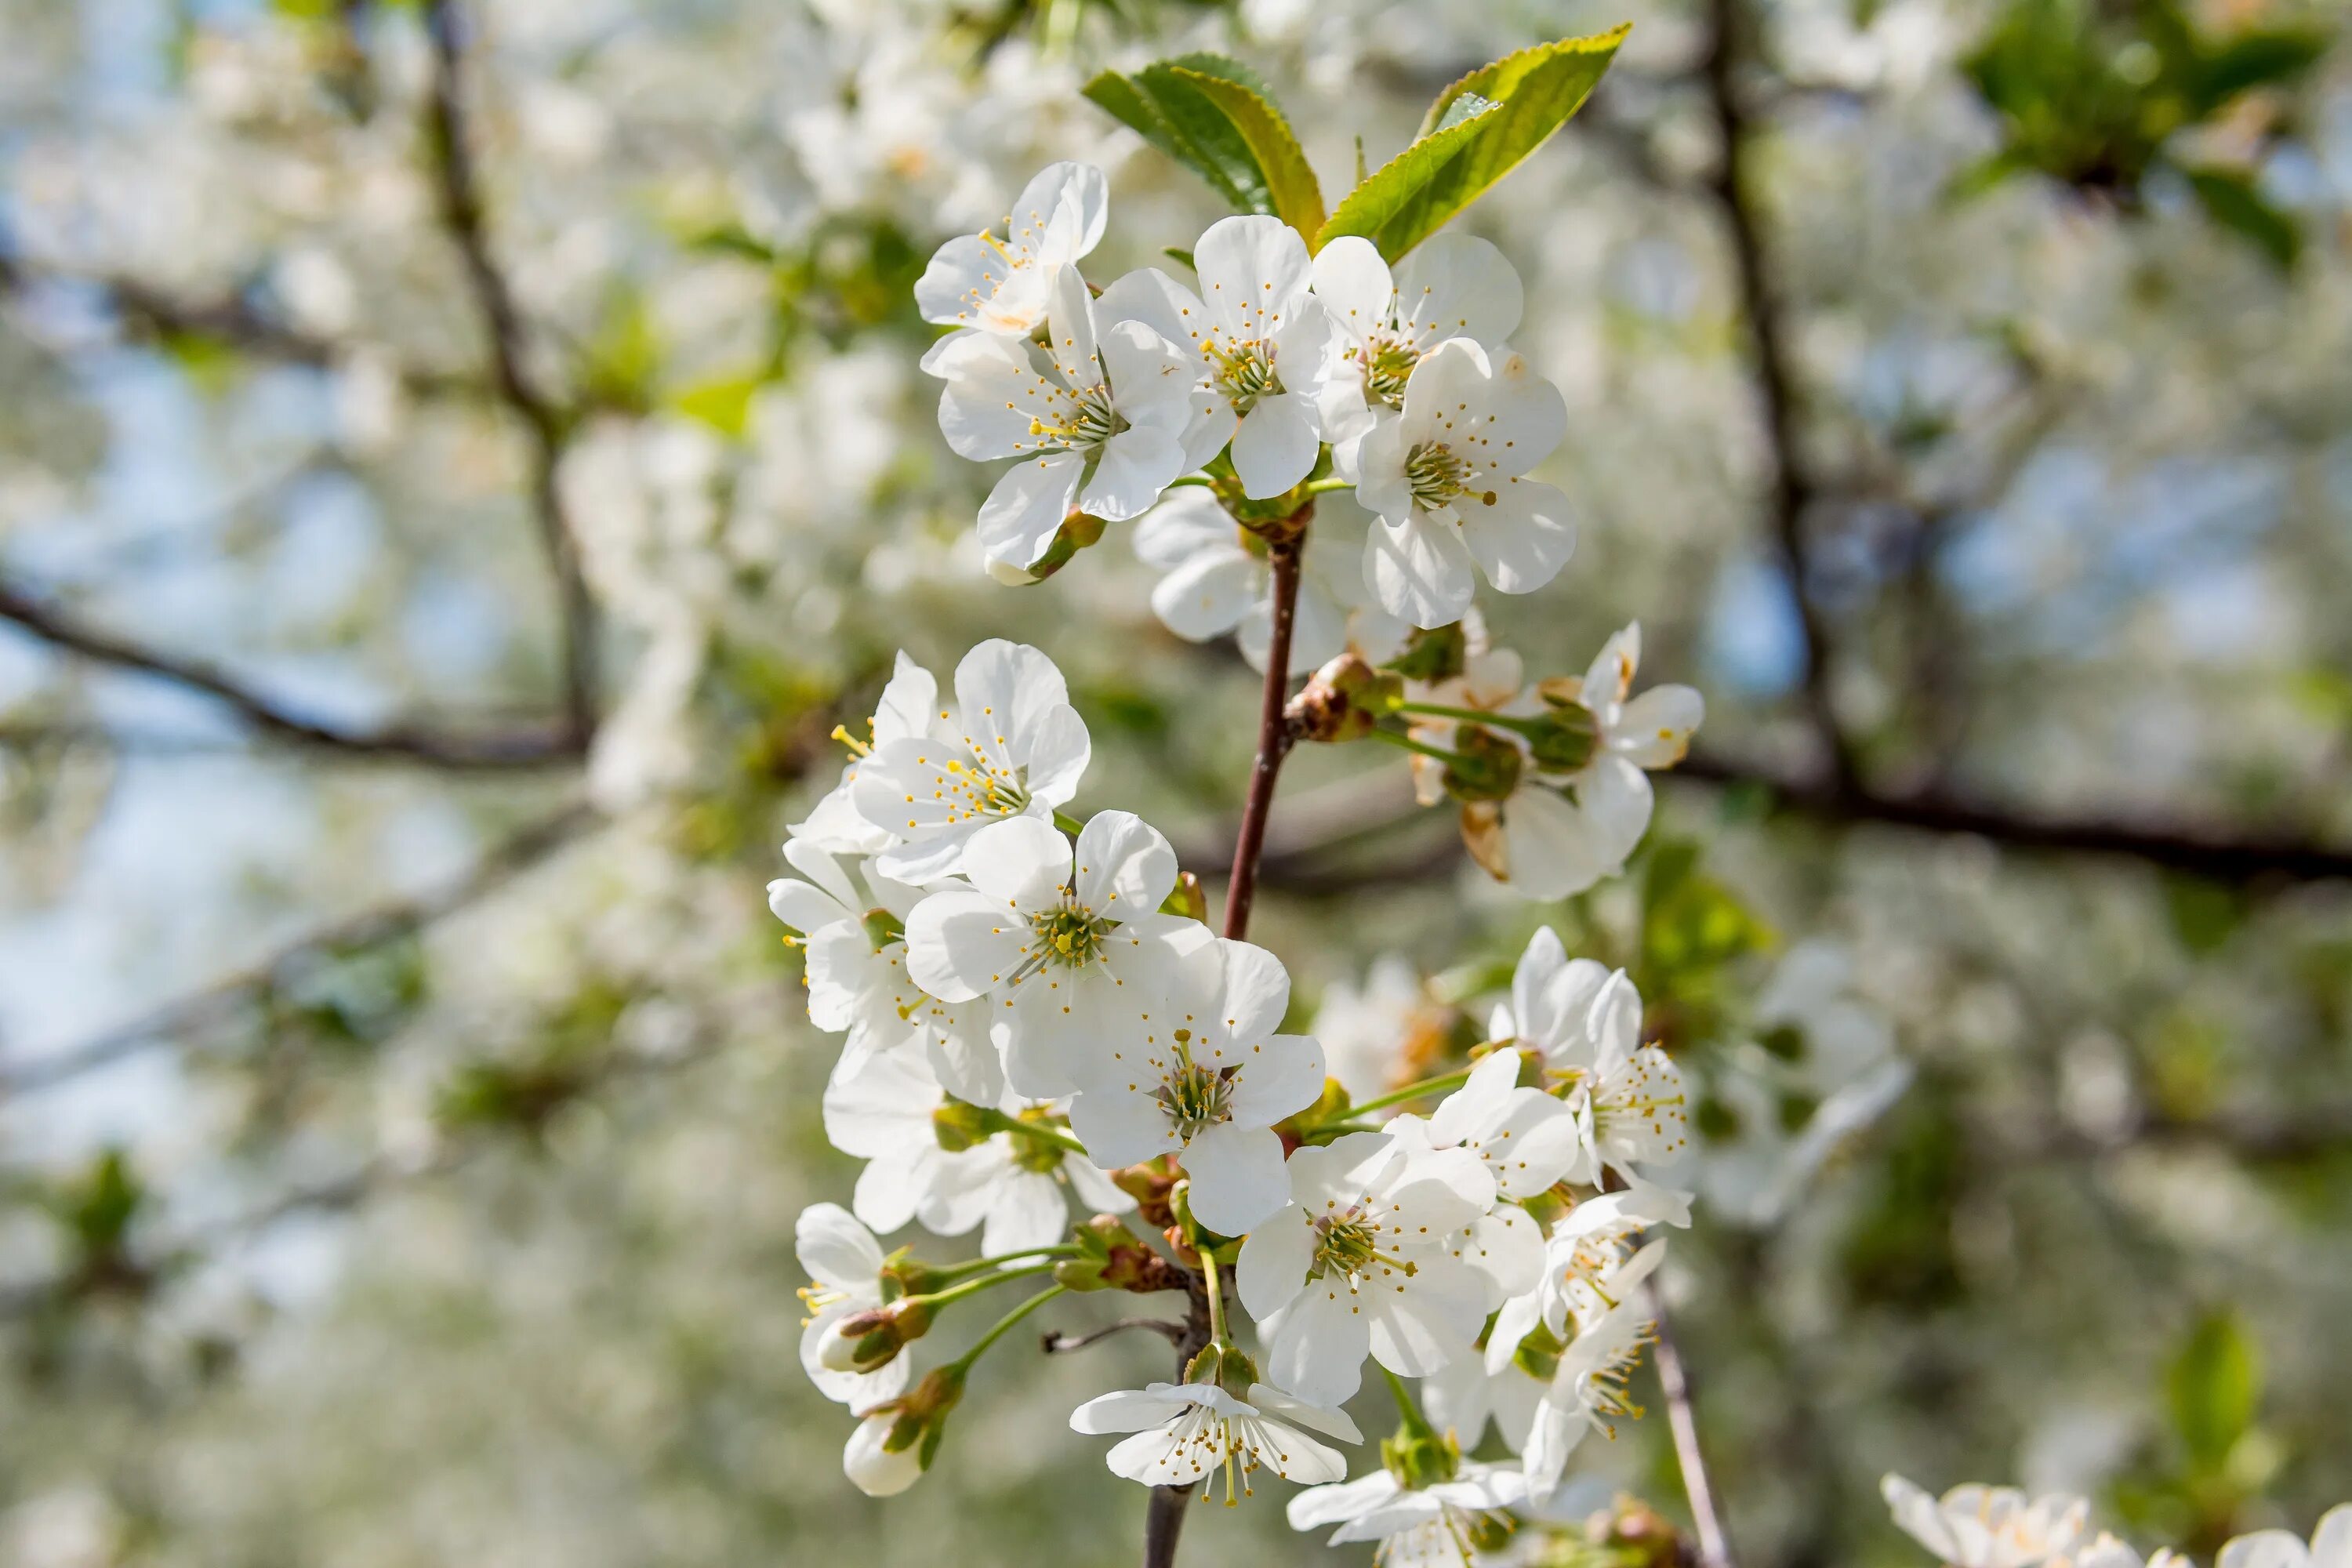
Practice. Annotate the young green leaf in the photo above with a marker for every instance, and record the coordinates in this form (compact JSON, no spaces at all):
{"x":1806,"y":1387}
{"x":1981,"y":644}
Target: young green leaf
{"x":1291,"y":186}
{"x":2231,"y":199}
{"x":1477,"y":131}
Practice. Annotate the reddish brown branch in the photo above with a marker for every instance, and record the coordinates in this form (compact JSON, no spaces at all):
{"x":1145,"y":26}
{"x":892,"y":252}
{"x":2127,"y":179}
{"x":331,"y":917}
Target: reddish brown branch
{"x":1274,"y":739}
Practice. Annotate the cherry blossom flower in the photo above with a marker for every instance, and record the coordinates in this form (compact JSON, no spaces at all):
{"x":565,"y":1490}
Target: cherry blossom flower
{"x":1001,"y":285}
{"x":1416,"y":1527}
{"x":1218,"y":582}
{"x":871,"y":1466}
{"x":1590,"y":1264}
{"x":1014,"y":1190}
{"x":1206,"y":1080}
{"x":1183,"y":1431}
{"x":1450,"y":285}
{"x":856,"y":971}
{"x":1375,"y":1036}
{"x":1447,"y":479}
{"x":1098,"y":418}
{"x":844,"y":1262}
{"x":1009,"y":745}
{"x":1976,"y":1526}
{"x":905,"y":710}
{"x":2331,"y":1545}
{"x":1267,"y":346}
{"x":1068,"y":943}
{"x":1361,"y":1261}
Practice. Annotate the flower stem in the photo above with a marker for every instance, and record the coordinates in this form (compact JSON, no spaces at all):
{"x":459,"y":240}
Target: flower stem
{"x":1216,"y":1298}
{"x":1399,"y":738}
{"x":956,"y":1271}
{"x":955,"y":1293}
{"x":1201,"y":480}
{"x":1461,"y":715}
{"x":1068,"y":824}
{"x":998,"y":1122}
{"x":1441,"y":1084}
{"x":1326,"y":485}
{"x":1273,"y":737}
{"x":997,"y":1330}
{"x":1416,"y":1424}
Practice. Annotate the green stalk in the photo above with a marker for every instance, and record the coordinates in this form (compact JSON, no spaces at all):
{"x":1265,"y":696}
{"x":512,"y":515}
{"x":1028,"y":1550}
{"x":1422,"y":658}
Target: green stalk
{"x":996,"y":1332}
{"x":998,"y":1122}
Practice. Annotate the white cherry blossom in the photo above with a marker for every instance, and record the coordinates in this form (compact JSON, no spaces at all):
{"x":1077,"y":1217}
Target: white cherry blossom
{"x":1002,"y":284}
{"x":905,"y":710}
{"x":852,"y":937}
{"x":1016,"y":1191}
{"x":1373,"y":1034}
{"x":1362,"y":1261}
{"x":1183,"y":1431}
{"x":1450,"y":285}
{"x":1424,"y":1527}
{"x":1584,"y":1021}
{"x":1009,"y":745}
{"x":1447,"y":479}
{"x":845,"y":1263}
{"x":1590,"y":1264}
{"x":1098,"y":417}
{"x":1207,"y":1079}
{"x":1218,"y":582}
{"x":1264,"y":344}
{"x":2331,"y":1545}
{"x":872,"y":1467}
{"x":1974,"y":1526}
{"x":1068,"y":942}
{"x":1590,"y":1391}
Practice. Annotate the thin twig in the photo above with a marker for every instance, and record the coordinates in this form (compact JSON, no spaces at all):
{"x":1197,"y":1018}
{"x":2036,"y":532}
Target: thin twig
{"x":1794,"y":487}
{"x":225,"y":997}
{"x":1274,"y":739}
{"x":1059,"y":1344}
{"x":1713,"y":1549}
{"x":1163,"y":1519}
{"x":544,"y":420}
{"x":524,"y":747}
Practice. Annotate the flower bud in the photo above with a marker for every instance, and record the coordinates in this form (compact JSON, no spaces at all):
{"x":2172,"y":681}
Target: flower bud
{"x":1186,"y":900}
{"x":1111,"y":1258}
{"x":1420,"y":1457}
{"x":1485,"y":766}
{"x":1342,"y":700}
{"x":896,"y":1441}
{"x":868,"y":1340}
{"x":1149,"y":1184}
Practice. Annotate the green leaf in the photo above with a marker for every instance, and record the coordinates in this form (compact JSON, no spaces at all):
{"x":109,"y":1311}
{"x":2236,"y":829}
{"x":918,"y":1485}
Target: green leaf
{"x":2258,"y":57}
{"x":724,"y":404}
{"x":1477,"y":131}
{"x":1164,"y":103}
{"x":2230,"y":199}
{"x":1290,"y":182}
{"x":2213,"y":1387}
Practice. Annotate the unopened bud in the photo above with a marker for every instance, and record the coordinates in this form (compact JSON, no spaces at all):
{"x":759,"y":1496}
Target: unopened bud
{"x":1150,"y":1185}
{"x":1561,"y":741}
{"x":1420,"y":1459}
{"x":1112,"y":1257}
{"x":896,"y":1441}
{"x":1186,"y":900}
{"x":1343,"y":701}
{"x":868,"y":1340}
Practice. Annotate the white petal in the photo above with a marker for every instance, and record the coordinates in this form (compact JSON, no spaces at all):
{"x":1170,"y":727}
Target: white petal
{"x":1282,"y":1080}
{"x":1149,"y":296}
{"x":1419,"y":570}
{"x":1122,"y":1126}
{"x":1253,"y":269}
{"x":1520,"y":538}
{"x":882,"y":1110}
{"x":836,"y":1249}
{"x":961,"y":943}
{"x":1275,"y":446}
{"x":1354,"y":285}
{"x":1207,"y":595}
{"x":1319,"y":1506}
{"x":1019,"y":864}
{"x":1125,"y":867}
{"x":1181,"y":526}
{"x":1237,"y":1179}
{"x":1028,"y":506}
{"x":1134,"y":466}
{"x":1458,"y":286}
{"x":1156,"y":1460}
{"x":1028,"y":1211}
{"x":1274,"y":1262}
{"x":1550,"y":848}
{"x":1654,"y":730}
{"x":1128,"y":1410}
{"x":1315,"y":1347}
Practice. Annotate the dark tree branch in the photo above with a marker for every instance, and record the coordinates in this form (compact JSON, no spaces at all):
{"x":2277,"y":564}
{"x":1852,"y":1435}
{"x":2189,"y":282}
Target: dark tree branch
{"x":1163,"y":1519}
{"x":1793,"y":488}
{"x":224,"y":998}
{"x":1059,"y":1344}
{"x":528,"y":748}
{"x":151,"y":313}
{"x":2176,"y":847}
{"x":544,"y":420}
{"x":1274,"y":739}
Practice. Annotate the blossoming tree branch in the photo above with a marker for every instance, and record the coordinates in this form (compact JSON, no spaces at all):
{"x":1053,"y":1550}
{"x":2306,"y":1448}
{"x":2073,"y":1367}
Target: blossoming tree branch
{"x":1046,"y":1041}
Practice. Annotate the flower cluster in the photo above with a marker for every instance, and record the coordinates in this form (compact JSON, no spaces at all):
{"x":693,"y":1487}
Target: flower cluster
{"x":1035,"y":1008}
{"x":1974,"y":1526}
